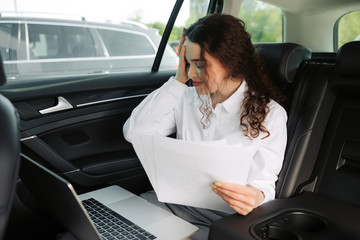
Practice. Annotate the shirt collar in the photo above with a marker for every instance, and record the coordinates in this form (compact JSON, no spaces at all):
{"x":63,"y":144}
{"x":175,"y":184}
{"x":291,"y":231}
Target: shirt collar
{"x":234,"y":102}
{"x":231,"y":104}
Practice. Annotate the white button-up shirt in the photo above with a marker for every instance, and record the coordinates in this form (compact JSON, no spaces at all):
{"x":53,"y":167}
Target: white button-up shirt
{"x":174,"y":107}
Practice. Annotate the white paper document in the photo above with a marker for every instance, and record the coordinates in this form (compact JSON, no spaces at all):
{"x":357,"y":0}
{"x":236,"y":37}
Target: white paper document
{"x":181,"y":171}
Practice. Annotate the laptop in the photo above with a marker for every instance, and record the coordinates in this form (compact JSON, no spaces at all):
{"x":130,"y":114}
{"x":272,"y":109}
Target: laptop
{"x":121,"y":214}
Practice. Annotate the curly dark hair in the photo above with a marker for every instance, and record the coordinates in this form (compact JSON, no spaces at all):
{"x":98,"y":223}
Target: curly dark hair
{"x":225,"y":38}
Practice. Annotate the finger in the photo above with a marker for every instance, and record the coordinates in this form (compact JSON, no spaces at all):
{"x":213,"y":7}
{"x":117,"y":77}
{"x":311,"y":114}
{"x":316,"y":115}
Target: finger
{"x":228,"y":197}
{"x":237,"y":188}
{"x":183,"y":36}
{"x":183,"y":50}
{"x":181,"y":74}
{"x":182,"y":58}
{"x":182,"y":39}
{"x":239,"y":197}
{"x":239,"y":206}
{"x":247,"y":194}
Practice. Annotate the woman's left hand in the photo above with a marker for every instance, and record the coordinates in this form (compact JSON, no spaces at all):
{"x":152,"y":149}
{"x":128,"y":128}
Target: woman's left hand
{"x":243,"y":199}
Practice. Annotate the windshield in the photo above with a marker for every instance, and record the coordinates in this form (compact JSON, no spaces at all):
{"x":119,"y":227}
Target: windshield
{"x":41,"y":39}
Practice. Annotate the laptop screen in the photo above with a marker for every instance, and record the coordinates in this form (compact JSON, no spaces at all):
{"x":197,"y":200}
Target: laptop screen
{"x":58,"y":198}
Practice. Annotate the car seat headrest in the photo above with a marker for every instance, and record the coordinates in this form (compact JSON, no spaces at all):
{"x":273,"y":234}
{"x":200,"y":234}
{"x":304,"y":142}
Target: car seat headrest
{"x":282,"y":59}
{"x":2,"y":73}
{"x":348,"y":59}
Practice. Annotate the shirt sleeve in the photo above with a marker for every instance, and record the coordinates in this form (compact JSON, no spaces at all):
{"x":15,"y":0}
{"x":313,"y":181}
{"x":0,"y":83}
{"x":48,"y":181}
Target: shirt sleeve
{"x":269,"y":157}
{"x":155,"y":114}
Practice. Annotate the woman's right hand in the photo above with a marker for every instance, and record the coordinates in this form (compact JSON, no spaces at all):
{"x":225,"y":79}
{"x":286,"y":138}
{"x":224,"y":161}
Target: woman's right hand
{"x":181,"y":74}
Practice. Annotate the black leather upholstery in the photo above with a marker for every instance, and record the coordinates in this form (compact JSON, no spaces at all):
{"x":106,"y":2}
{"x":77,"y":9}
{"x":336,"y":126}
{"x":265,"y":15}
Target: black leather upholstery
{"x":325,"y":116}
{"x":305,"y":127}
{"x":9,"y":155}
{"x":347,"y":59}
{"x":337,"y":166}
{"x":282,"y":59}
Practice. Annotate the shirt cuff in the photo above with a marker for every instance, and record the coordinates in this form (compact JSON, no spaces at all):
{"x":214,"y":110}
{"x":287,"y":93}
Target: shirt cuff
{"x":269,"y":194}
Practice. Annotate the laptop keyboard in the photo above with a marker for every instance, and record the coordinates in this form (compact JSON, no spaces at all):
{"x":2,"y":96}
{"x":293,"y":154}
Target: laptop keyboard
{"x":111,"y":225}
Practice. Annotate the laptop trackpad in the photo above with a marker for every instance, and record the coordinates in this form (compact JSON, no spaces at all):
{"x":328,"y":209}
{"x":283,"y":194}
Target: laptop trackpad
{"x":139,"y":210}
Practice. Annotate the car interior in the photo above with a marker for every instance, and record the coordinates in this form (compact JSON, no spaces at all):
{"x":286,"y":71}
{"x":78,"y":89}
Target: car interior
{"x":317,"y":195}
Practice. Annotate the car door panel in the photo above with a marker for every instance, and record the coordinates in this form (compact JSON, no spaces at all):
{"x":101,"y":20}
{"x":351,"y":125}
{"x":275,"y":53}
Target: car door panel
{"x":85,"y":142}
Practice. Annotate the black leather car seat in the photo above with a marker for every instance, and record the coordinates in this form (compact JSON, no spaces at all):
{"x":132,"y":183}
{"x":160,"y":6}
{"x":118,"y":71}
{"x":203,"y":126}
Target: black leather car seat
{"x":284,"y":61}
{"x":322,"y":153}
{"x":9,"y":154}
{"x":336,"y":170}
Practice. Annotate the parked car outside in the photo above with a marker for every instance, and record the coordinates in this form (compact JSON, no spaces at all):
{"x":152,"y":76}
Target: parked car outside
{"x":37,"y":47}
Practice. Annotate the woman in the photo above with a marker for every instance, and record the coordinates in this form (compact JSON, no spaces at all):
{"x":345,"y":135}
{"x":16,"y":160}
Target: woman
{"x":231,"y":98}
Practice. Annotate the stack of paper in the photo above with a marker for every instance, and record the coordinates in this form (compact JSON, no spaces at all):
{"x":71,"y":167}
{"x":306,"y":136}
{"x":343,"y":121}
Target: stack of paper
{"x":181,"y":171}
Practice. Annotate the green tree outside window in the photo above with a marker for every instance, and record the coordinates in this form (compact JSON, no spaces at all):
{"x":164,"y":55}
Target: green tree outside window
{"x":349,"y":28}
{"x":263,"y":21}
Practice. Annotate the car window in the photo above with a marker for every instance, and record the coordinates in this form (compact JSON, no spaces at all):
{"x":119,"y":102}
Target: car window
{"x":263,"y":21}
{"x":12,"y":41}
{"x":41,"y":39}
{"x":122,"y":43}
{"x":189,"y":13}
{"x":51,"y":41}
{"x":347,"y":29}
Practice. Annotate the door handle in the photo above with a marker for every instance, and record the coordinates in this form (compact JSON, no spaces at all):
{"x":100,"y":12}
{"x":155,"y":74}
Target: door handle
{"x":61,"y":105}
